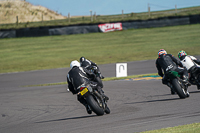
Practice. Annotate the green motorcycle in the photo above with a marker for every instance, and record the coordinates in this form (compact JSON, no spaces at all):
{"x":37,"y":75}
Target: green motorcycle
{"x":180,"y":87}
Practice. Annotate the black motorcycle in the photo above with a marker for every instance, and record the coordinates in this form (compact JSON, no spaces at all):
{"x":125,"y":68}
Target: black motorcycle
{"x":180,"y":87}
{"x":194,"y":78}
{"x":94,"y":99}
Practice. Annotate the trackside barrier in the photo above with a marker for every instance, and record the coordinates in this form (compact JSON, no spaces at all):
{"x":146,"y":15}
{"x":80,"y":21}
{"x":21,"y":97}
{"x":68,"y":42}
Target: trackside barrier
{"x":8,"y":34}
{"x":91,"y":28}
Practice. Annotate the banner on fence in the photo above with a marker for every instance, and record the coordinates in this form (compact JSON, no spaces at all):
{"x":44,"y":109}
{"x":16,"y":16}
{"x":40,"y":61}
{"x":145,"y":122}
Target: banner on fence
{"x":110,"y":27}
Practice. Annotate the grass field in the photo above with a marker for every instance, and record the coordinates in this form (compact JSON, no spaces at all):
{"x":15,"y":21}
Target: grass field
{"x":36,"y":53}
{"x":190,"y":128}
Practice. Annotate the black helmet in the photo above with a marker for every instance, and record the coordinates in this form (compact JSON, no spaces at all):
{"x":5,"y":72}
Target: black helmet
{"x":82,"y":59}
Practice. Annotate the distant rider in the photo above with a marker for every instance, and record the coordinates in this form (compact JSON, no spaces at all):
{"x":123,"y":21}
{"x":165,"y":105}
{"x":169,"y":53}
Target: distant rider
{"x":190,"y":63}
{"x":78,"y":76}
{"x":91,"y":65}
{"x":166,"y":62}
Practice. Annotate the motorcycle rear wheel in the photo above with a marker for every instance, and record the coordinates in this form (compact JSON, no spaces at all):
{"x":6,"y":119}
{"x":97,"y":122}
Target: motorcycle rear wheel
{"x":94,"y":105}
{"x":181,"y":92}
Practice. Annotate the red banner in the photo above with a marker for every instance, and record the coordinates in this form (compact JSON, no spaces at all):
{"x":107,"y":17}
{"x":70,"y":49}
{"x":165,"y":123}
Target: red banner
{"x":110,"y":27}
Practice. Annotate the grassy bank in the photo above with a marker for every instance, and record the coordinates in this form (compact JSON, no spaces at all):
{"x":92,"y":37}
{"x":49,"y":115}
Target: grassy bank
{"x":26,"y":22}
{"x":25,"y":54}
{"x":190,"y":128}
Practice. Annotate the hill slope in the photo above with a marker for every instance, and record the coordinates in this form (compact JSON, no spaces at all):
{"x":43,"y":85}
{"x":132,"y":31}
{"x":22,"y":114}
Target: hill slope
{"x":30,"y":16}
{"x":25,"y":11}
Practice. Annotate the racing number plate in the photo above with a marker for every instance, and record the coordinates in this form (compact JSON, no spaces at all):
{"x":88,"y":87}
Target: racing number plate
{"x":85,"y":90}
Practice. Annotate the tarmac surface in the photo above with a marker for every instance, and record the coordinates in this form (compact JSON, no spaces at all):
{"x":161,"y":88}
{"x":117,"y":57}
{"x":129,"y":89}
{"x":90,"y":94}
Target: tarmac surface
{"x":135,"y":106}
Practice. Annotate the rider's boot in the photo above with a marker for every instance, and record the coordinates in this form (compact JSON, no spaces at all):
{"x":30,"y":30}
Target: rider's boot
{"x":171,"y":88}
{"x":104,"y":96}
{"x":83,"y":101}
{"x":172,"y":91}
{"x":89,"y":111}
{"x":102,"y":93}
{"x":198,"y":86}
{"x":100,"y":75}
{"x":185,"y":80}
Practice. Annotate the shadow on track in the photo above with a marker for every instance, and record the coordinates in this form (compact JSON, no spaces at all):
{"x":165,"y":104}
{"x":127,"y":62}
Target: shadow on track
{"x":155,"y":101}
{"x":194,"y":92}
{"x":160,"y":95}
{"x":65,"y":119}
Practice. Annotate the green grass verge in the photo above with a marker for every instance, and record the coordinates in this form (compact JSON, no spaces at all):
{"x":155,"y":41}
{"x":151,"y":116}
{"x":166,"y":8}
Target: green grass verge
{"x":36,"y":53}
{"x":106,"y":79}
{"x":190,"y":128}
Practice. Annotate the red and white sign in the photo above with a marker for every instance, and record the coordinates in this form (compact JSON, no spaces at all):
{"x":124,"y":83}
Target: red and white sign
{"x":110,"y":27}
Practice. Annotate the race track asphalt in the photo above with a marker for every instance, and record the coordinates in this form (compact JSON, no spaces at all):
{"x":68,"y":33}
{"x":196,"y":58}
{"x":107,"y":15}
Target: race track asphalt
{"x":135,"y":105}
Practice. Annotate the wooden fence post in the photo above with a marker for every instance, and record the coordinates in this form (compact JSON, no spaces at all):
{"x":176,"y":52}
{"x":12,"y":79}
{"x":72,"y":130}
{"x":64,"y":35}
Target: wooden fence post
{"x":91,"y":15}
{"x":149,"y":10}
{"x":122,"y":14}
{"x":95,"y":16}
{"x":175,"y":9}
{"x":69,"y":17}
{"x":42,"y":17}
{"x":17,"y":20}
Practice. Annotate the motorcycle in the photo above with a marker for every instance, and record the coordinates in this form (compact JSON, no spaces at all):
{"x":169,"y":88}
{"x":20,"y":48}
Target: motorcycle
{"x":180,"y":87}
{"x":95,"y":100}
{"x":194,"y":77}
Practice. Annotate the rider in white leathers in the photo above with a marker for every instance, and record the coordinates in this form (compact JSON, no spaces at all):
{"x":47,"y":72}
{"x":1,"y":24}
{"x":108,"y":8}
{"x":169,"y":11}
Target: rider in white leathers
{"x":190,"y":63}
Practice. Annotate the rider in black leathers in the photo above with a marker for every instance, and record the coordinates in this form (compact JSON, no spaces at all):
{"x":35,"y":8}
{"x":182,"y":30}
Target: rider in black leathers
{"x":78,"y":76}
{"x":166,"y":62}
{"x":88,"y":64}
